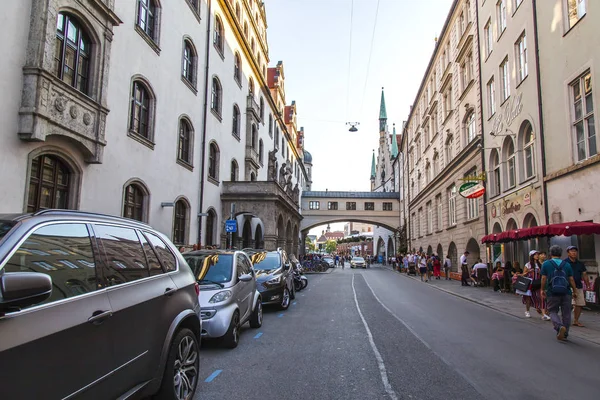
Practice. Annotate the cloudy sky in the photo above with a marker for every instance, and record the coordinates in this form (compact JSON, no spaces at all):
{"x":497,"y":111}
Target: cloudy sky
{"x":335,"y":75}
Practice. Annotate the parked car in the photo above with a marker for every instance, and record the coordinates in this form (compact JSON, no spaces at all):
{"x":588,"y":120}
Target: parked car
{"x":358,"y":262}
{"x":274,"y":277}
{"x":330,"y":261}
{"x":94,"y":307}
{"x":228,"y":294}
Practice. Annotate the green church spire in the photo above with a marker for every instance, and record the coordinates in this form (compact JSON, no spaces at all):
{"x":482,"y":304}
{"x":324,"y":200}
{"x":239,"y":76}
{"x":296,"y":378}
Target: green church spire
{"x":373,"y":173}
{"x":394,"y":144}
{"x":382,"y":113}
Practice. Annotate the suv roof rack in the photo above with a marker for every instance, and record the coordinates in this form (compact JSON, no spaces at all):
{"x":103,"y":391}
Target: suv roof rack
{"x":85,"y":213}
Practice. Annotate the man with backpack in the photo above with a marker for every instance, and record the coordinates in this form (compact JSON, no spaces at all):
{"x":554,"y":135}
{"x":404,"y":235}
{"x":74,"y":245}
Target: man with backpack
{"x":558,"y":287}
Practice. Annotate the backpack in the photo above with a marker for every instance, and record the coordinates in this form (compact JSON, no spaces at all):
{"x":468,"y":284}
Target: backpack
{"x":559,"y":284}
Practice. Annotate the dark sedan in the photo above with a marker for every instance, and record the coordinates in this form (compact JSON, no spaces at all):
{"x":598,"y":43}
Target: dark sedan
{"x":274,"y":277}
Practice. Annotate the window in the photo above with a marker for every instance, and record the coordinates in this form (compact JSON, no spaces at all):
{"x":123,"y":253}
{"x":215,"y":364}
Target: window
{"x":165,"y":255}
{"x":72,"y":53}
{"x":260,"y":151}
{"x":438,"y":202}
{"x":419,"y":221}
{"x":495,"y":178}
{"x":470,"y":128}
{"x":185,"y":146}
{"x":237,"y":68}
{"x":147,"y":18}
{"x":254,"y":134}
{"x":211,"y":221}
{"x":180,"y":222}
{"x":62,"y":251}
{"x":509,"y":155}
{"x":126,"y":260}
{"x":528,"y":151}
{"x":238,"y":12}
{"x":488,"y":37}
{"x":215,"y":103}
{"x":427,"y":173}
{"x":350,"y":205}
{"x":218,"y":35}
{"x":271,"y":126}
{"x":251,"y":87}
{"x":449,"y":149}
{"x":49,"y":184}
{"x":452,"y":205}
{"x":461,"y":24}
{"x":246,"y":29}
{"x":369,"y":206}
{"x":501,"y":16}
{"x":133,"y":204}
{"x":584,"y":128}
{"x":141,"y":110}
{"x":314,"y":205}
{"x":213,"y":161}
{"x":332,"y":205}
{"x":518,"y":3}
{"x":576,"y":9}
{"x":429,"y":217}
{"x":234,"y":171}
{"x":491,"y":94}
{"x":436,"y":164}
{"x":472,"y":204}
{"x":153,"y":263}
{"x":388,"y":206}
{"x":236,"y":121}
{"x":188,"y":70}
{"x":412,"y":226}
{"x":276,"y":140}
{"x":521,"y":56}
{"x":262,"y":109}
{"x":504,"y":80}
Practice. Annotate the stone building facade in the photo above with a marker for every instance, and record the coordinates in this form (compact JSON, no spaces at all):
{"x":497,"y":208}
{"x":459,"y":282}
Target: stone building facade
{"x":442,"y":142}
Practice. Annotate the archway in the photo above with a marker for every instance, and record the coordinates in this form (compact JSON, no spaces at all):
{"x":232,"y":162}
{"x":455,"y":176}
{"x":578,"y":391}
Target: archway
{"x":258,"y":238}
{"x":296,"y":234}
{"x":511,"y":249}
{"x":280,"y":232}
{"x":380,"y":247}
{"x":453,"y":255}
{"x":429,"y":250}
{"x":247,"y":235}
{"x":525,"y":246}
{"x":390,"y":247}
{"x":473,"y":249}
{"x":496,"y":248}
{"x":288,"y":237}
{"x":440,"y":251}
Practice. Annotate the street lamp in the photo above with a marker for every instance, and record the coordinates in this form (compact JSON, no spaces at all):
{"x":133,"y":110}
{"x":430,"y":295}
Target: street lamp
{"x":353,"y":127}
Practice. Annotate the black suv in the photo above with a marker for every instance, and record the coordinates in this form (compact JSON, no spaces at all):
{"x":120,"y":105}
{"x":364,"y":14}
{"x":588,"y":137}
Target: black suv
{"x":274,"y":276}
{"x":96,"y":307}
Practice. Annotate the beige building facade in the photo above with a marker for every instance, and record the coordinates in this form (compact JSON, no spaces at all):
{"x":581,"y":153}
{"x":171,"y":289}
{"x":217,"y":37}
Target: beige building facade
{"x":442,"y":141}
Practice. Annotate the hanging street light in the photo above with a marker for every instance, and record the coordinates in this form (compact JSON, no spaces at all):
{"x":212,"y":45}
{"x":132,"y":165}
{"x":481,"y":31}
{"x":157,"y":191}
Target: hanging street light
{"x":353,"y":127}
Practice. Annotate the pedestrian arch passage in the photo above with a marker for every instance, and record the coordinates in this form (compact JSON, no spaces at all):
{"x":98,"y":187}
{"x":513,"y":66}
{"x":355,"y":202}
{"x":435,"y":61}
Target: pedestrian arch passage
{"x":377,"y":208}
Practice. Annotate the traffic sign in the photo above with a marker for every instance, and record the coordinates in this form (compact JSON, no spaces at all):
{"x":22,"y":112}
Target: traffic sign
{"x":471,"y":190}
{"x":230,"y":226}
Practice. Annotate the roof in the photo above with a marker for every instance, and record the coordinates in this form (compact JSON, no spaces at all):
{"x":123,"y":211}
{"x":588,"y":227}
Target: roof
{"x":307,"y":157}
{"x":352,"y":195}
{"x":394,"y":144}
{"x":382,"y":112}
{"x":373,"y":173}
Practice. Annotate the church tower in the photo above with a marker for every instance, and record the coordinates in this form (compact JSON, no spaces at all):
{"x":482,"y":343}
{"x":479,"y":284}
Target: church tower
{"x":381,"y":182}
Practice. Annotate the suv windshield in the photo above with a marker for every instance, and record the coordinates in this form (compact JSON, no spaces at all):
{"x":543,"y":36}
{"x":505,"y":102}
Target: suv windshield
{"x":5,"y":227}
{"x":220,"y":267}
{"x":269,"y":262}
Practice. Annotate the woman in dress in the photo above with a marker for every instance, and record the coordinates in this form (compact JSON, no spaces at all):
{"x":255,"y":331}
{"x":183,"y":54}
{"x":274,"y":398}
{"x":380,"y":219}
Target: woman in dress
{"x":533,"y":297}
{"x":437,"y":267}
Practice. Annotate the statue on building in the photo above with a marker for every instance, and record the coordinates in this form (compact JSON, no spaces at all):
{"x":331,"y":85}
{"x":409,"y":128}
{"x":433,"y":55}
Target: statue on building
{"x":272,"y":171}
{"x":282,"y":175}
{"x":296,"y":194}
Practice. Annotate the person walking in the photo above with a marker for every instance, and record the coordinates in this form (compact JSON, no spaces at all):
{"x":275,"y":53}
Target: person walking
{"x":533,"y":296}
{"x":464,"y":269}
{"x":579,"y":276}
{"x":558,"y":288}
{"x":447,"y":267}
{"x":437,"y":266}
{"x":423,"y":266}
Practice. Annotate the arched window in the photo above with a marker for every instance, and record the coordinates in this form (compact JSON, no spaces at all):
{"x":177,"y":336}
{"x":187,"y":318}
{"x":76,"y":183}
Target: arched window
{"x":527,"y":141}
{"x":246,"y":29}
{"x":237,"y":68}
{"x":238,"y":12}
{"x":276,"y":140}
{"x":251,"y":87}
{"x":49,"y":183}
{"x":436,"y":164}
{"x":235,"y":129}
{"x":185,"y":145}
{"x":260,"y":151}
{"x":509,"y":161}
{"x":134,"y":202}
{"x":271,"y":126}
{"x":142,"y":110}
{"x":188,"y":63}
{"x":215,"y":103}
{"x":213,"y":161}
{"x":147,"y":18}
{"x":218,"y":35}
{"x":72,"y":55}
{"x":234,"y":171}
{"x":470,"y":129}
{"x":264,"y":71}
{"x":253,"y":45}
{"x":252,"y":177}
{"x":427,"y":173}
{"x":495,"y":170}
{"x":253,"y":137}
{"x":211,"y":221}
{"x":180,"y":222}
{"x":262,"y":109}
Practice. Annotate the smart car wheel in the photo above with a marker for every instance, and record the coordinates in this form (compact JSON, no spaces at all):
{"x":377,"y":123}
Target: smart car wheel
{"x":285,"y":299}
{"x":181,"y":371}
{"x":257,"y":316}
{"x":232,"y":337}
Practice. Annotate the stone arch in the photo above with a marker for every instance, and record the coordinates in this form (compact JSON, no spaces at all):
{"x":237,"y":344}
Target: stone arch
{"x":474,"y":252}
{"x":280,"y":232}
{"x":380,"y":250}
{"x":247,"y":234}
{"x":259,"y":237}
{"x":439,"y":251}
{"x":296,"y":233}
{"x":453,"y":256}
{"x":390,"y":247}
{"x":211,"y":232}
{"x":145,"y":193}
{"x":497,"y":228}
{"x":288,"y":237}
{"x":429,"y":250}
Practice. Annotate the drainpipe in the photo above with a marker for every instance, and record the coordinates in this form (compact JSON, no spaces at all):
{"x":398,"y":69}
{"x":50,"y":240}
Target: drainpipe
{"x":205,"y":115}
{"x":540,"y":114}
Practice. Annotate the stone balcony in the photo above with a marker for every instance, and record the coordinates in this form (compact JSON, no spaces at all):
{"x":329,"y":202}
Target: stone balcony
{"x":253,"y":107}
{"x":263,"y":191}
{"x":252,"y":156}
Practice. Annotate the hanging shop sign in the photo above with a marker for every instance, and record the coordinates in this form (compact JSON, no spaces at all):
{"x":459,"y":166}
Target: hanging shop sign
{"x":471,"y":190}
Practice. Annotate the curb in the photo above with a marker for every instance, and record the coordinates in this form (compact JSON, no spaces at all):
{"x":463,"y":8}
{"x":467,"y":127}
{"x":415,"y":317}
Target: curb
{"x":330,"y":270}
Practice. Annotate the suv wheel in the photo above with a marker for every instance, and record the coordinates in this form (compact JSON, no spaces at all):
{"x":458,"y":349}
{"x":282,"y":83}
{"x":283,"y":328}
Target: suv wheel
{"x":181,"y":372}
{"x":285,"y":299}
{"x":257,"y":316}
{"x":232,"y":337}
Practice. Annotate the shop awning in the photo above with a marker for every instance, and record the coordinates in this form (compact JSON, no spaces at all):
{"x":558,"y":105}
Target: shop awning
{"x":564,"y":229}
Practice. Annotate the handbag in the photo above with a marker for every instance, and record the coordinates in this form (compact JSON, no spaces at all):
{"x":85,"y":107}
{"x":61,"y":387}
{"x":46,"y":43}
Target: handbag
{"x":536,"y":284}
{"x":523,"y":283}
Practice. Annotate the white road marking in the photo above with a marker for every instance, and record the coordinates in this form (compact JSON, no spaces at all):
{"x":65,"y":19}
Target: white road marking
{"x":380,"y":363}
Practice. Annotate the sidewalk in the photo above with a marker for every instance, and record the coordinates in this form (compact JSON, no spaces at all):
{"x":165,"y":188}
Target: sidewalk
{"x":511,"y":304}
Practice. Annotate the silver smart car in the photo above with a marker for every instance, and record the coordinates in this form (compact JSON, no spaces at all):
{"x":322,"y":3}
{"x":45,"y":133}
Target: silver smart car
{"x":228,"y":295}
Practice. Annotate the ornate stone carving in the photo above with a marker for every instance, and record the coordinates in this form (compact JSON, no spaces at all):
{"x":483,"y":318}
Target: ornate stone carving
{"x":74,"y":112}
{"x":272,"y":171}
{"x":87,"y":119}
{"x":282,"y":172}
{"x":296,"y":194}
{"x":60,"y":103}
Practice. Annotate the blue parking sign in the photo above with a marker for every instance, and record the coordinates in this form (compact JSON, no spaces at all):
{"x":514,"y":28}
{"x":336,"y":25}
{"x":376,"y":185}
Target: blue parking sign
{"x":230,"y":226}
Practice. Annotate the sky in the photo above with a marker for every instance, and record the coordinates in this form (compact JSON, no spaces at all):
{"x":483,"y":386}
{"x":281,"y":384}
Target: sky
{"x":328,"y":74}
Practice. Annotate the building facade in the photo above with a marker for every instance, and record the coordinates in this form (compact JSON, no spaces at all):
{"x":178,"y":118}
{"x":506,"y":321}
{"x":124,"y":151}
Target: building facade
{"x":511,"y":123}
{"x":442,"y":141}
{"x":129,"y":108}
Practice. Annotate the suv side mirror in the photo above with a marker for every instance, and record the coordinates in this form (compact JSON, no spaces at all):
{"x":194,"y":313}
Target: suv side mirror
{"x":23,"y":289}
{"x":246,"y":277}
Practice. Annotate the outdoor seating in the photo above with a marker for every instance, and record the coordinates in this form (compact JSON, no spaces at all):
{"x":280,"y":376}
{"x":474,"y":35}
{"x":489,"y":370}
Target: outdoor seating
{"x":482,"y":277}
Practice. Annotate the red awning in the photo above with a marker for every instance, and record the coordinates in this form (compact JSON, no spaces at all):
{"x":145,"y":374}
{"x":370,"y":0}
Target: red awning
{"x":564,"y":229}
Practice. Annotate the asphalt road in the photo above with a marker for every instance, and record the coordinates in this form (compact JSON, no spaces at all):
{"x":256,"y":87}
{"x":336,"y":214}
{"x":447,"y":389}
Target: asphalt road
{"x":374,"y":334}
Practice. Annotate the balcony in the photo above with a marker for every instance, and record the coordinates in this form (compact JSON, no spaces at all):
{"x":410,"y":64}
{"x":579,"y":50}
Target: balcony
{"x":253,"y":107}
{"x":252,"y":156}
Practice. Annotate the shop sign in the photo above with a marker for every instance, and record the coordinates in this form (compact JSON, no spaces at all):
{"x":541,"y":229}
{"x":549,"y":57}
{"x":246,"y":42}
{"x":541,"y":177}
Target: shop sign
{"x":527,"y":199}
{"x":513,"y":108}
{"x":471,"y":190}
{"x":494,"y":211}
{"x":510,"y":208}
